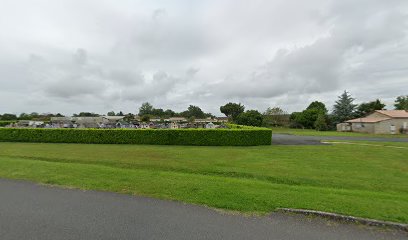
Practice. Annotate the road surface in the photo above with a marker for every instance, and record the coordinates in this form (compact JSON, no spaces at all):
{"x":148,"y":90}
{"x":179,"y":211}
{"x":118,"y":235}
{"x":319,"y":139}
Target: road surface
{"x":30,"y":211}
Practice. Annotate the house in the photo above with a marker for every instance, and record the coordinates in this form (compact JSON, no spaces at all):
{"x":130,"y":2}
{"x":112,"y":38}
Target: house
{"x":222,"y":119}
{"x":30,"y":123}
{"x":176,"y":119}
{"x":210,"y":125}
{"x":378,"y":122}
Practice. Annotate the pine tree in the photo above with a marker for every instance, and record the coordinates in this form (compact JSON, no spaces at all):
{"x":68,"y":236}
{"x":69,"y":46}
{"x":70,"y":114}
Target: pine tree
{"x":344,"y":109}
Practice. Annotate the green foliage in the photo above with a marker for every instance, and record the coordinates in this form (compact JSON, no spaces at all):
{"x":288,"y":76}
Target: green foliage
{"x":317,"y":106}
{"x":111,"y":113}
{"x":86,"y":114}
{"x":366,"y":108}
{"x":169,"y":113}
{"x":146,"y":109}
{"x":250,"y":118}
{"x":193,"y":111}
{"x":232,"y":110}
{"x":344,"y":108}
{"x":145,"y":118}
{"x":5,"y":123}
{"x":308,"y":117}
{"x":321,"y":123}
{"x":401,"y":103}
{"x":158,"y":112}
{"x":8,"y":117}
{"x":199,"y":137}
{"x":276,"y":117}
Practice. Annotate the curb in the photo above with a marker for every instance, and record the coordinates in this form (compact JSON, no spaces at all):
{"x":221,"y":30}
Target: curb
{"x":339,"y":217}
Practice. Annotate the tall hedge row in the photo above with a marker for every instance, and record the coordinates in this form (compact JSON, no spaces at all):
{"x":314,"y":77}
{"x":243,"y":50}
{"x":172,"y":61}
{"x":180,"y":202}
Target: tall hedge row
{"x":198,"y":137}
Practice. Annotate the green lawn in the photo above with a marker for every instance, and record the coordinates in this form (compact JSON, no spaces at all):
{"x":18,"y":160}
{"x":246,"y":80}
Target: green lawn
{"x":365,"y":181}
{"x":311,"y":132}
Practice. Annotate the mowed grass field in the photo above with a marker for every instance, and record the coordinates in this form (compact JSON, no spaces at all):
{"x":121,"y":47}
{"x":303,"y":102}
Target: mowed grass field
{"x":358,"y":180}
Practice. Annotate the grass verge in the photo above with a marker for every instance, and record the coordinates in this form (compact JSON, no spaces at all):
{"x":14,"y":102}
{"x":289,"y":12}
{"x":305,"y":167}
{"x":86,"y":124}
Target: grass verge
{"x":362,"y":181}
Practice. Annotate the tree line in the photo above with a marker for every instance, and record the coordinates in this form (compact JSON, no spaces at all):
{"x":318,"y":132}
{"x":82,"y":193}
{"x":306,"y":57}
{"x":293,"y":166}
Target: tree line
{"x":315,"y":116}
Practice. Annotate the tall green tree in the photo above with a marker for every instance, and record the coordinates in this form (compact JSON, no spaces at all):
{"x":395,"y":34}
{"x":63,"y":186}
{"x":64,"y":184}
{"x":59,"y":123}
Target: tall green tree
{"x":317,"y":106}
{"x":366,"y":108}
{"x":232,"y":110}
{"x":111,"y":113}
{"x":401,"y":103}
{"x":344,"y":108}
{"x":146,"y":109}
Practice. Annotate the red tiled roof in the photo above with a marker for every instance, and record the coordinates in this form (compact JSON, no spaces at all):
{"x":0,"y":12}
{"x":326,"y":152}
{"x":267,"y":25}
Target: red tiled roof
{"x":368,"y":120}
{"x":394,"y":113}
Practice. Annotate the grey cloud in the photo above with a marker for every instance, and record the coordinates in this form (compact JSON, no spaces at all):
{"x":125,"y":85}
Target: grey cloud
{"x":109,"y":55}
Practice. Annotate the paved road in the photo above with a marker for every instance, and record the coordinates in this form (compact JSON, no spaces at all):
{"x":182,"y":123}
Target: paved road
{"x":29,"y":211}
{"x":288,"y":139}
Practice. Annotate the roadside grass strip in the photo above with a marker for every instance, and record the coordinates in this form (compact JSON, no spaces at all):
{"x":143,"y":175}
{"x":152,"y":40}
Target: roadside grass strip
{"x":244,"y":195}
{"x":353,"y":180}
{"x":387,"y":145}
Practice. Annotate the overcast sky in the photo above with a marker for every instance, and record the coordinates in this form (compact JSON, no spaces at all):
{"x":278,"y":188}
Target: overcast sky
{"x":98,"y":55}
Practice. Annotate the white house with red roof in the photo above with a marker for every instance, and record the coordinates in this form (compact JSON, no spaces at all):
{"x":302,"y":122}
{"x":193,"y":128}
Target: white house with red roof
{"x":378,"y":122}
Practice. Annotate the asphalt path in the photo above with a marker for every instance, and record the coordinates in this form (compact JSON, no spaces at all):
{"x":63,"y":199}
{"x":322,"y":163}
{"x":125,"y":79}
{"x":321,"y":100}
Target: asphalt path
{"x":30,"y":211}
{"x":288,"y":139}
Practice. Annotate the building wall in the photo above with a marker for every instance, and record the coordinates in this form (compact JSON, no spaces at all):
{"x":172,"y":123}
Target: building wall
{"x":384,"y":127}
{"x":363,"y":127}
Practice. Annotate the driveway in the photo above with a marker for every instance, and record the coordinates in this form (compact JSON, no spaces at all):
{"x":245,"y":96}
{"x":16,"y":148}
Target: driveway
{"x":30,"y":211}
{"x":288,"y":139}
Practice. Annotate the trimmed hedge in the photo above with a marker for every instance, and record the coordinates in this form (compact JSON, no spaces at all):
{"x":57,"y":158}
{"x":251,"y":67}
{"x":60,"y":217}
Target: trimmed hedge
{"x":247,"y":136}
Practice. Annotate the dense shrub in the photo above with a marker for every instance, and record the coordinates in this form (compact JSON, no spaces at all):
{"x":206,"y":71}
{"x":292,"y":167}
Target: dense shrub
{"x":5,"y":123}
{"x":239,"y":136}
{"x":250,"y":118}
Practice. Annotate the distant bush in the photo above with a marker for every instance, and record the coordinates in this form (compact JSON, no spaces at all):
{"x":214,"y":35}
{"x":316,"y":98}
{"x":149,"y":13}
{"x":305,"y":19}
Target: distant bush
{"x":5,"y":123}
{"x":236,"y":136}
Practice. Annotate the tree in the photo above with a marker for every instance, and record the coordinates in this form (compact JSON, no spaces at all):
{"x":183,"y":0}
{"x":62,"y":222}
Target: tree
{"x":401,"y":103}
{"x":344,"y":108}
{"x":250,"y":118}
{"x":158,"y":112}
{"x":232,"y":110}
{"x":276,"y":117}
{"x":193,"y":111}
{"x":145,"y":118}
{"x":321,"y":123}
{"x":318,"y":106}
{"x":308,"y":117}
{"x":111,"y":113}
{"x":366,"y":108}
{"x":86,"y":114}
{"x":120,"y":113}
{"x":169,"y":113}
{"x":8,"y":117}
{"x":145,"y":109}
